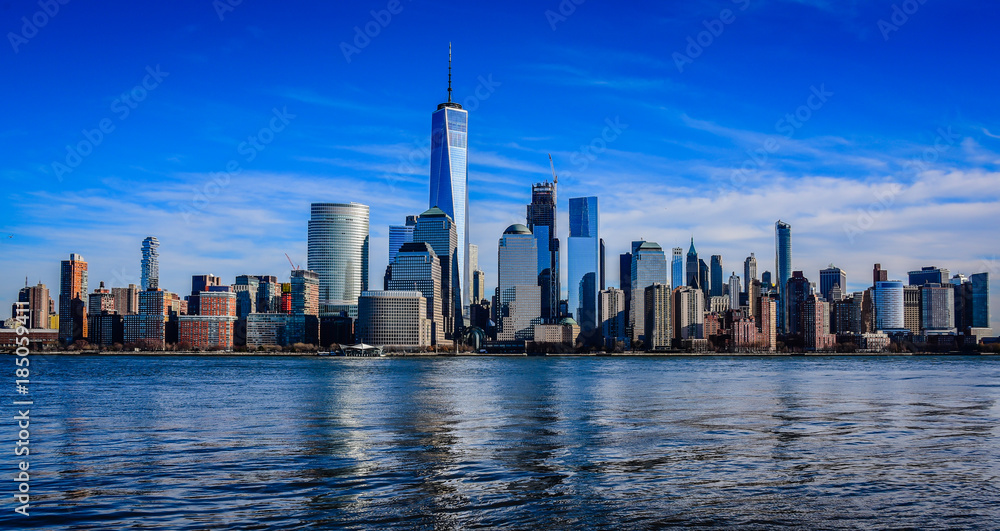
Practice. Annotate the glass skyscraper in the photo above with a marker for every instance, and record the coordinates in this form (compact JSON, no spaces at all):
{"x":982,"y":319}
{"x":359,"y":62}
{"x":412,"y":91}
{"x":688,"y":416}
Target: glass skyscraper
{"x":677,"y":268}
{"x":718,"y":285}
{"x":889,"y":313}
{"x":541,"y":218}
{"x":436,"y":228}
{"x":150,"y":263}
{"x":980,"y":300}
{"x":338,"y":253}
{"x":520,"y":296}
{"x":649,"y":267}
{"x":783,"y":265}
{"x":584,"y":262}
{"x":830,"y":277}
{"x":449,"y":180}
{"x":400,"y":234}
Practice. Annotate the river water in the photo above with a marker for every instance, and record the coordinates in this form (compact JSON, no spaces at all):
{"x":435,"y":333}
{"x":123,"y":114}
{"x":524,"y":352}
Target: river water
{"x":526,"y":443}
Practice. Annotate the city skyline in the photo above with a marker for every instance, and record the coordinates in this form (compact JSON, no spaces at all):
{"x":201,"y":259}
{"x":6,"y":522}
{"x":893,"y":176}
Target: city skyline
{"x":247,"y":224}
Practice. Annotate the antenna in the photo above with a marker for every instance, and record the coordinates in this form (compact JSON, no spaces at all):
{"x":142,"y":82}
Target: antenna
{"x":449,"y":72}
{"x":555,"y":179}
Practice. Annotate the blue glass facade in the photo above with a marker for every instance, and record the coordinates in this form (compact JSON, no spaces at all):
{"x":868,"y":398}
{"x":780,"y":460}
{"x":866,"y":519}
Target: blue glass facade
{"x":677,"y":268}
{"x":584,"y":261}
{"x":783,"y":265}
{"x":449,"y":179}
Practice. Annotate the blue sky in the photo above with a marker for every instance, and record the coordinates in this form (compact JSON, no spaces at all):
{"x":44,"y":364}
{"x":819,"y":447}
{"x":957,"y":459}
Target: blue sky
{"x":878,"y":142}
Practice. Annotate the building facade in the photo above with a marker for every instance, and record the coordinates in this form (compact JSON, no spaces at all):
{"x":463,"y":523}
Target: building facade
{"x":541,"y":221}
{"x":338,"y":253}
{"x":658,"y":322}
{"x":584,"y":262}
{"x":649,"y":267}
{"x":782,"y":266}
{"x":393,"y":319}
{"x":520,"y":302}
{"x":417,"y":268}
{"x":150,"y":278}
{"x":72,"y":297}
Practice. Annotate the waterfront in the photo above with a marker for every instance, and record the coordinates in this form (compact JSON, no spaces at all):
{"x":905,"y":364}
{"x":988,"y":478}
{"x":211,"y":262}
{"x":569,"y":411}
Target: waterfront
{"x":295,"y":442}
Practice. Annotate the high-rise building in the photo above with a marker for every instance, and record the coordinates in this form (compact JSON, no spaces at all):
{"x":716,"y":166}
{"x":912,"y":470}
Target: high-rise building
{"x":766,"y":282}
{"x":437,"y":229}
{"x":937,"y":307}
{"x":718,"y":288}
{"x":658,"y":332}
{"x":338,"y":253}
{"x":734,"y":291}
{"x":879,"y":274}
{"x":611,"y":307}
{"x":584,"y":262}
{"x":541,"y":218}
{"x":246,"y":288}
{"x":816,"y":324}
{"x":929,"y":275}
{"x":889,"y":307}
{"x":126,"y":299}
{"x":72,"y":291}
{"x":400,"y":234}
{"x":520,"y":304}
{"x":268,"y":294}
{"x":830,"y":277}
{"x":704,"y":278}
{"x":677,"y":267}
{"x":479,"y":285}
{"x":963,"y":301}
{"x":749,"y":271}
{"x":417,"y":268}
{"x":783,"y":266}
{"x":796,"y":291}
{"x":449,"y":180}
{"x":147,"y":329}
{"x":213,"y":327}
{"x":769,"y":323}
{"x":692,"y":270}
{"x":980,"y":300}
{"x":37,"y":298}
{"x":601,"y":275}
{"x":150,"y":263}
{"x":266,"y":329}
{"x":303,"y":322}
{"x":200,"y":283}
{"x":689,"y":313}
{"x":649,"y":266}
{"x":393,"y":318}
{"x":911,"y":308}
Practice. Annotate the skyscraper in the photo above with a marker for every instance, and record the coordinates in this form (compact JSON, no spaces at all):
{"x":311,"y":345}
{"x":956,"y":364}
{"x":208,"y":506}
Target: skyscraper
{"x":889,"y":305}
{"x":338,"y":253}
{"x":150,"y":263}
{"x":704,"y":278}
{"x":649,"y":266}
{"x":937,"y":307}
{"x":692,"y":267}
{"x":449,"y":180}
{"x":718,"y":284}
{"x":584,"y":262}
{"x":436,"y":228}
{"x":929,"y":275}
{"x":625,"y":282}
{"x":72,"y":292}
{"x":38,"y":300}
{"x":734,"y":291}
{"x":611,"y":307}
{"x":417,"y":268}
{"x":749,"y":271}
{"x":677,"y":268}
{"x":783,"y":266}
{"x":520,"y":304}
{"x":830,"y":277}
{"x":879,"y":274}
{"x":796,"y":291}
{"x":658,"y":329}
{"x":980,"y":300}
{"x":541,"y":218}
{"x":400,"y":234}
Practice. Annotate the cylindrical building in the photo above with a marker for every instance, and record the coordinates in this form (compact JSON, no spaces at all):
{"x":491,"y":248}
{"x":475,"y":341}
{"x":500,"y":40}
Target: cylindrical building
{"x":338,"y":253}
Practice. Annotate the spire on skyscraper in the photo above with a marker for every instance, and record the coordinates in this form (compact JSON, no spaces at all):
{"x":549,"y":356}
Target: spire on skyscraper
{"x":449,"y":72}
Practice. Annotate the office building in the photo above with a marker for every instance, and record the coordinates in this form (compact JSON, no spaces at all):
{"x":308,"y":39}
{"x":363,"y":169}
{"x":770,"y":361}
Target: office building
{"x":72,"y":295}
{"x":911,"y":308}
{"x":937,"y":306}
{"x":658,"y":332}
{"x":338,"y":253}
{"x":889,"y":307}
{"x":479,"y":286}
{"x":611,"y":307}
{"x":689,"y":313}
{"x":400,"y":234}
{"x":147,"y":329}
{"x":625,"y":281}
{"x":879,"y":274}
{"x":734,"y":291}
{"x":749,"y":271}
{"x":393,"y":319}
{"x":829,"y":278}
{"x":692,"y":268}
{"x":39,"y":302}
{"x":980,"y":283}
{"x":704,"y":278}
{"x":437,"y":229}
{"x":126,"y":299}
{"x":150,"y":263}
{"x":520,"y":297}
{"x":541,"y":221}
{"x":449,"y":182}
{"x":417,"y":268}
{"x":782,"y":267}
{"x":796,"y":291}
{"x":718,"y":287}
{"x":929,"y":275}
{"x":266,"y":329}
{"x":268,"y":294}
{"x":649,"y":267}
{"x":584,"y":262}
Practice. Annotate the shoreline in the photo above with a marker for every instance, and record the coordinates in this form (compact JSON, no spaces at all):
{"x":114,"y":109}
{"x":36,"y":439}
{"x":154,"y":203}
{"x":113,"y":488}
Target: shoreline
{"x":192,"y":354}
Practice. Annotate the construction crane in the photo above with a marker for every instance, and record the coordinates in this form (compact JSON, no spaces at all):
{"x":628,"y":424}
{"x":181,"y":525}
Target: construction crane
{"x":555,"y":180}
{"x":294,"y":267}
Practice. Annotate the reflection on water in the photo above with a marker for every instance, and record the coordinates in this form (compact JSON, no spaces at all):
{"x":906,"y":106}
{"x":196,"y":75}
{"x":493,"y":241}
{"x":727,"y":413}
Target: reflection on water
{"x":192,"y":443}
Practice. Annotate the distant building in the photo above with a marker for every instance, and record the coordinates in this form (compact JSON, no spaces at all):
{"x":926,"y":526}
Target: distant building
{"x":126,"y":299}
{"x":625,"y":281}
{"x":745,"y":336}
{"x":72,"y":292}
{"x":911,"y":308}
{"x":980,"y":300}
{"x":147,"y":328}
{"x":704,"y":278}
{"x":338,"y":254}
{"x":769,"y":323}
{"x":541,"y":221}
{"x":520,"y":304}
{"x":749,"y":271}
{"x":816,"y":324}
{"x":796,"y":291}
{"x":830,"y":277}
{"x":393,"y":319}
{"x":417,"y":268}
{"x":658,"y":332}
{"x":718,"y":288}
{"x":889,"y":307}
{"x":929,"y":275}
{"x":303,"y":322}
{"x":879,"y":274}
{"x":734,"y":291}
{"x":39,"y":302}
{"x":782,"y":267}
{"x":150,"y":263}
{"x":266,"y":329}
{"x":400,"y":234}
{"x":566,"y":332}
{"x":719,"y":304}
{"x":937,"y":306}
{"x":692,"y":268}
{"x":611,"y":307}
{"x":212,"y":328}
{"x":200,"y":283}
{"x":478,"y":285}
{"x":649,"y":267}
{"x":437,"y":229}
{"x":689,"y":313}
{"x":676,"y":267}
{"x":584,"y":262}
